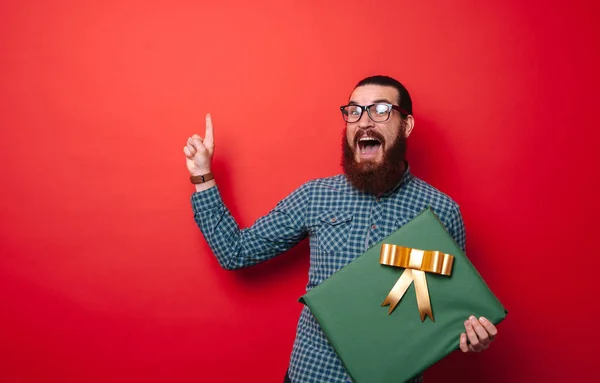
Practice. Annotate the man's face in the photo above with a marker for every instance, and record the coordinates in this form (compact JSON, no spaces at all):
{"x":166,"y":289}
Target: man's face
{"x":373,"y":152}
{"x":371,"y":140}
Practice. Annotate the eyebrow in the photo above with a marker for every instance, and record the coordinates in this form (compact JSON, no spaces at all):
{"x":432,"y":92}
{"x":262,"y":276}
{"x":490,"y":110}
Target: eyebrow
{"x":374,"y":101}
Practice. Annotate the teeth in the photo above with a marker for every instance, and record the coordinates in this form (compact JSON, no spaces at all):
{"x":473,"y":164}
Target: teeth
{"x":368,"y":139}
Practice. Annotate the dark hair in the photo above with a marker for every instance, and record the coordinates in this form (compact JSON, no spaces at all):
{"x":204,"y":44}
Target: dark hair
{"x":404,"y":101}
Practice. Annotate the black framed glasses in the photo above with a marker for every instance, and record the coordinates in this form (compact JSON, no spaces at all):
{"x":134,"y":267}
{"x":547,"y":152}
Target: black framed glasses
{"x":378,"y":112}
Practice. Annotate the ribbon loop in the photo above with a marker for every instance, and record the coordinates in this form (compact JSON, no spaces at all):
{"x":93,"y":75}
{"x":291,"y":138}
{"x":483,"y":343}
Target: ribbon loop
{"x":417,"y":263}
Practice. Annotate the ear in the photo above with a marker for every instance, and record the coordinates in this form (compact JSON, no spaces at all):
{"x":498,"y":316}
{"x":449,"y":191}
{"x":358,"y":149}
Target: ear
{"x":409,"y":124}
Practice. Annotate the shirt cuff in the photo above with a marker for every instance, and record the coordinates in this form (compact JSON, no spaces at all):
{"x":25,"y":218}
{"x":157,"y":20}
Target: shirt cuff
{"x":206,"y":200}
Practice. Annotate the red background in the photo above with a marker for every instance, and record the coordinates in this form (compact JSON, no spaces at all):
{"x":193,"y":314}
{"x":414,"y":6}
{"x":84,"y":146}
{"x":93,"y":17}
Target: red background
{"x":103,"y":273}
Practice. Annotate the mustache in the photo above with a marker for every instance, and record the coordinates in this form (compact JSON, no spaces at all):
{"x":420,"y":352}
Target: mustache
{"x":368,"y":133}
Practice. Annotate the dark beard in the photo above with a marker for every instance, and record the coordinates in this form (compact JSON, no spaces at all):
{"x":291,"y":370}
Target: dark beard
{"x":375,"y":179}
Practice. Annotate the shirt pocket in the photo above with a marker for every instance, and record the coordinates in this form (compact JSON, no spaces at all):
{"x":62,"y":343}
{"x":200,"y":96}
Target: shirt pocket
{"x":333,"y":230}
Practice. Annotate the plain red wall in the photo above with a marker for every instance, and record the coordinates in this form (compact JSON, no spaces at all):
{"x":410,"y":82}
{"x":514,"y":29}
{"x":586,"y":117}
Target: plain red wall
{"x":103,"y":273}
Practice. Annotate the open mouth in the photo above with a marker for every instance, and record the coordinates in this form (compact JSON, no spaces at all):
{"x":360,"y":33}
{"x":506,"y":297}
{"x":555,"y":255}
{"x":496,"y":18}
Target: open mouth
{"x":368,"y":146}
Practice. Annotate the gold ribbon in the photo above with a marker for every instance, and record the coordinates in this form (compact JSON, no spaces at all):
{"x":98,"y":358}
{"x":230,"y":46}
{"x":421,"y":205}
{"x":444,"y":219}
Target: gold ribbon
{"x":417,"y":263}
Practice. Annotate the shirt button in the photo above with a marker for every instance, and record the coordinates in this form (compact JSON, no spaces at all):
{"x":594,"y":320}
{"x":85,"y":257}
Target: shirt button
{"x":373,"y":227}
{"x":333,"y":220}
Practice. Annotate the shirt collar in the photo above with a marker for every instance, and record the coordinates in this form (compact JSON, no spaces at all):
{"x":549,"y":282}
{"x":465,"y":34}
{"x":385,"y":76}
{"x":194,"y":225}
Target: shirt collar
{"x":406,"y":178}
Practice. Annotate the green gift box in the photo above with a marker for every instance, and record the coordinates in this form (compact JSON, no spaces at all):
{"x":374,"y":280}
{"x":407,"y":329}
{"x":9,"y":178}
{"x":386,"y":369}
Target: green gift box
{"x":379,"y":346}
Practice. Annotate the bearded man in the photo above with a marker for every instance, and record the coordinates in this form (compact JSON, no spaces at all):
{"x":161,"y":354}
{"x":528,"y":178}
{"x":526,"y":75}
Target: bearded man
{"x":343,"y":215}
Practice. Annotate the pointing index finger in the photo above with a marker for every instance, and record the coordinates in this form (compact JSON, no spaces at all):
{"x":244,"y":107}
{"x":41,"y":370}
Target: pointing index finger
{"x":208,"y":136}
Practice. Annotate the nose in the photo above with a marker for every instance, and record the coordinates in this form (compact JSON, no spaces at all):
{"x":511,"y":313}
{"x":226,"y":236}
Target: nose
{"x":365,"y":121}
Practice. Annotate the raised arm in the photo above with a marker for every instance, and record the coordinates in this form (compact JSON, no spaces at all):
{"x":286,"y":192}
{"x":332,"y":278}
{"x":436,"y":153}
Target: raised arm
{"x":278,"y":231}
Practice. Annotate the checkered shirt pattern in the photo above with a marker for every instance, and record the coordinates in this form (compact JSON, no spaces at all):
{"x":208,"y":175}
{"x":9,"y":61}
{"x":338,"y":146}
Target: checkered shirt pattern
{"x":341,"y":223}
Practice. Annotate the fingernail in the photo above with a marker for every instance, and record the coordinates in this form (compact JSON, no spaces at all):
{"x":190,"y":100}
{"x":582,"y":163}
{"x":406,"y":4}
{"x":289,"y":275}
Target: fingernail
{"x":467,"y":323}
{"x":483,"y":319}
{"x":473,"y":319}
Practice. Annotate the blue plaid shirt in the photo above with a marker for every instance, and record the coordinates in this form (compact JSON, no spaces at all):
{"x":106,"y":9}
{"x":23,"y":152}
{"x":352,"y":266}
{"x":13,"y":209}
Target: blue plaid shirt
{"x":341,"y":223}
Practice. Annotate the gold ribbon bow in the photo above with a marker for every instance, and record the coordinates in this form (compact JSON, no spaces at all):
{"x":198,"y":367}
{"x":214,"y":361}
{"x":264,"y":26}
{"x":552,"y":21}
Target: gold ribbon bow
{"x":417,"y":263}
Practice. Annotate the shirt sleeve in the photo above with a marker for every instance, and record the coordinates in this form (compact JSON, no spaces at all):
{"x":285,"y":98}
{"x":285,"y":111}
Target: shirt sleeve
{"x":278,"y":231}
{"x":456,"y":227}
